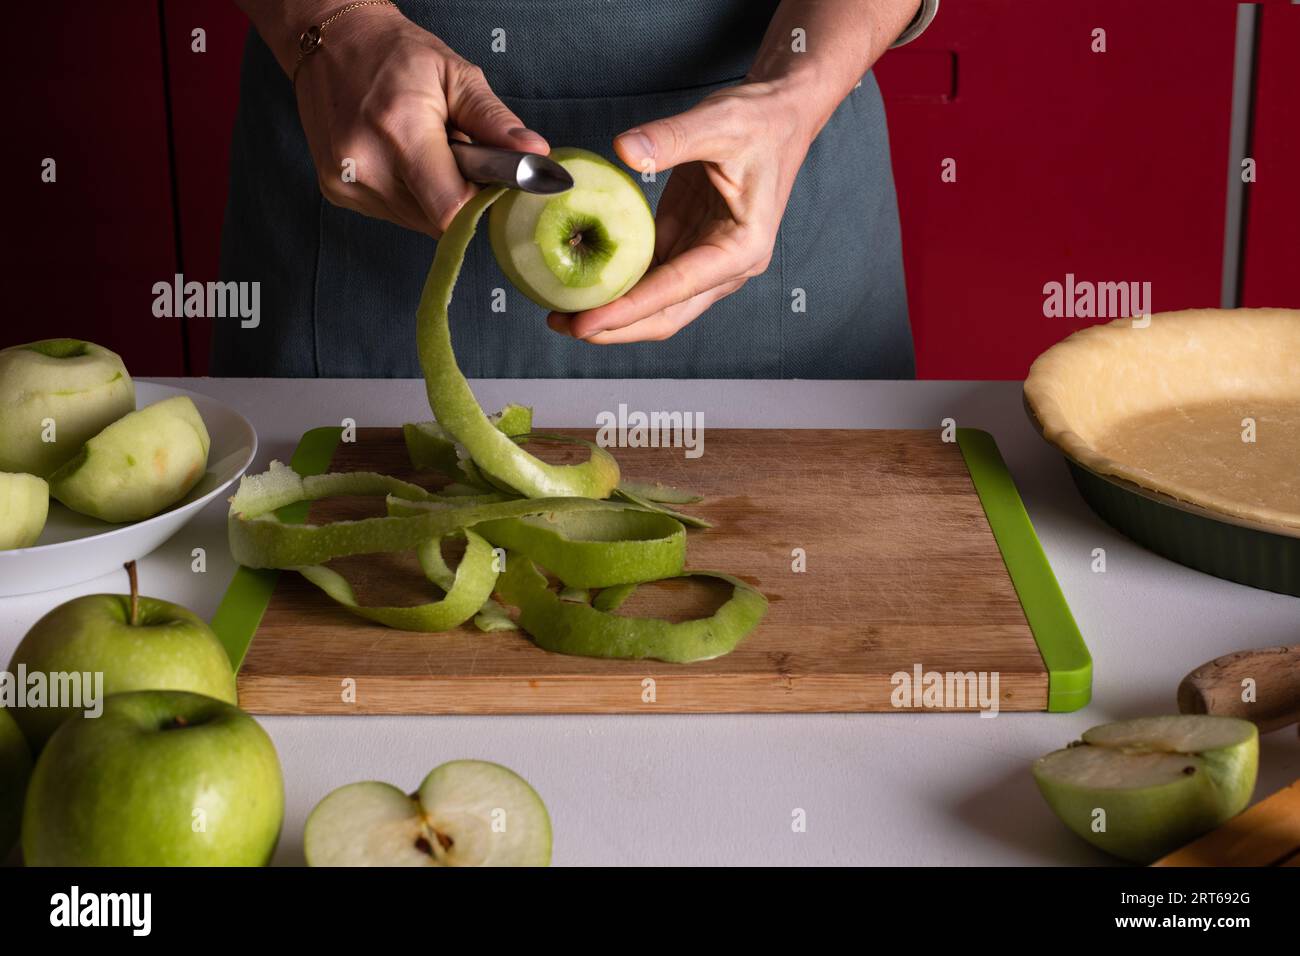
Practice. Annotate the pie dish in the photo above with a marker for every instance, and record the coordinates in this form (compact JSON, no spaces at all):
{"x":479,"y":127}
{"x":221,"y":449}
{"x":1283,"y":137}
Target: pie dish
{"x":1184,"y":432}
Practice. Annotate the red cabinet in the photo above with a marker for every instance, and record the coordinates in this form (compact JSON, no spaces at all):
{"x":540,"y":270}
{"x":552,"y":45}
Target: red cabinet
{"x":86,"y":90}
{"x":1271,"y":251}
{"x":1108,"y":166}
{"x":204,"y":94}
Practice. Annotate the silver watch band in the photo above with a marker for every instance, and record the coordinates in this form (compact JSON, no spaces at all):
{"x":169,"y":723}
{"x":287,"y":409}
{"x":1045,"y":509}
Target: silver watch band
{"x":919,"y":22}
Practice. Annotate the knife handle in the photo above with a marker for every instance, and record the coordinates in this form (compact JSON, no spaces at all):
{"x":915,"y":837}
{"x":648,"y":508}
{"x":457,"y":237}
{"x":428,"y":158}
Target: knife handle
{"x":487,"y":164}
{"x":1217,"y":687}
{"x":531,"y":172}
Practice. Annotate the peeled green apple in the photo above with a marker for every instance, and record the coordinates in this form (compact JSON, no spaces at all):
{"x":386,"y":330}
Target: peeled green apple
{"x":578,"y":249}
{"x":15,"y":768}
{"x":466,"y":813}
{"x":161,"y":778}
{"x":24,"y":506}
{"x":1141,"y":788}
{"x":138,"y":465}
{"x":79,"y":387}
{"x":137,"y":643}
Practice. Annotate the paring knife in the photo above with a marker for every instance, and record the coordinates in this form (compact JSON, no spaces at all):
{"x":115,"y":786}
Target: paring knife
{"x":507,"y":167}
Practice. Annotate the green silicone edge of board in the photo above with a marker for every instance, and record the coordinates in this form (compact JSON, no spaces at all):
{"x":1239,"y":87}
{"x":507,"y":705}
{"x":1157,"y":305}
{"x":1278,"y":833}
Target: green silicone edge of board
{"x":1069,"y":665}
{"x":249,"y":594}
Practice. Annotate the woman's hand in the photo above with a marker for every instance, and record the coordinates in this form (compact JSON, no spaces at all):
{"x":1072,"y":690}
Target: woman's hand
{"x":734,"y":158}
{"x":377,"y":101}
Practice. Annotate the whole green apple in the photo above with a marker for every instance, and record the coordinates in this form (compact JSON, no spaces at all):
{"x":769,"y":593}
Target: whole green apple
{"x":137,"y":466}
{"x":24,"y":506}
{"x":466,"y":813}
{"x":578,"y":249}
{"x":1141,"y":788}
{"x":137,"y":643}
{"x":15,"y":768}
{"x":65,"y":390}
{"x":161,"y":778}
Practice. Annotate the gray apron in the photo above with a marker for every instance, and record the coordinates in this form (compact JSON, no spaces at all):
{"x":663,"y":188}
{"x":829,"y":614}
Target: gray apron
{"x":339,"y":290}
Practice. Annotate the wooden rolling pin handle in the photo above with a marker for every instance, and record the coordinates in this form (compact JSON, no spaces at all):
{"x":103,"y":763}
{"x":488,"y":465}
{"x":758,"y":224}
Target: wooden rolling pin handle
{"x":1216,"y":687}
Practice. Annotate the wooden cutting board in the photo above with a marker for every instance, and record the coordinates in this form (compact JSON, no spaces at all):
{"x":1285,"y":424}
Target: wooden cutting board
{"x":904,"y":576}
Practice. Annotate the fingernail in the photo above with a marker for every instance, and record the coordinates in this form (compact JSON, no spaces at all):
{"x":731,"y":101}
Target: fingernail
{"x":639,"y":143}
{"x":520,"y":132}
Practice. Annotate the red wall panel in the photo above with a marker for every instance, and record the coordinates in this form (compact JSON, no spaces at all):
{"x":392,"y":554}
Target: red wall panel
{"x":1272,"y":245}
{"x":85,"y":251}
{"x":1110,"y":166}
{"x":204,"y":95}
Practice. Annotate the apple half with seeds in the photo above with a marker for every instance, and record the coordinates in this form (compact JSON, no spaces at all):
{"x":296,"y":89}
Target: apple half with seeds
{"x":466,"y":813}
{"x":137,"y":466}
{"x":578,"y":249}
{"x":1139,"y":789}
{"x":24,"y":506}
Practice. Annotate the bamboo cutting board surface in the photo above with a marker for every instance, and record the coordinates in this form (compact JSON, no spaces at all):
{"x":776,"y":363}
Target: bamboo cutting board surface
{"x":902,"y":570}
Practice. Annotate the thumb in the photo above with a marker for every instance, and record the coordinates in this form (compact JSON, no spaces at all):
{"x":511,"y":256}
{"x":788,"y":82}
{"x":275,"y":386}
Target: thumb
{"x":477,"y":112}
{"x":701,"y":133}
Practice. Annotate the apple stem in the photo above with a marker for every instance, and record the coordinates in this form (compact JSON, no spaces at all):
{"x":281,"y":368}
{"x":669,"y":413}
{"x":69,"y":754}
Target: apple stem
{"x":135,"y":591}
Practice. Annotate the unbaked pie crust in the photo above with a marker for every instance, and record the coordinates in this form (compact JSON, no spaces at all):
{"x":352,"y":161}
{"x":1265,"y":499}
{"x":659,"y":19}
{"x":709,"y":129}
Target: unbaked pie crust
{"x":1167,"y":407}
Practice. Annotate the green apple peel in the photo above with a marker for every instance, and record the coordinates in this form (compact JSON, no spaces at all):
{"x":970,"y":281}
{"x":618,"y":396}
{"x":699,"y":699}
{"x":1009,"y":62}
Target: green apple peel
{"x":454,"y":405}
{"x":576,"y":521}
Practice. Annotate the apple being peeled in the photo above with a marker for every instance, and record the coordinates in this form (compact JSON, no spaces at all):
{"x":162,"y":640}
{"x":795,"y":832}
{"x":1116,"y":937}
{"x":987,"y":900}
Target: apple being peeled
{"x":15,"y":768}
{"x":137,"y":643}
{"x":66,"y":389}
{"x":138,"y":465}
{"x":161,"y":778}
{"x":24,"y":506}
{"x":578,"y":249}
{"x":466,"y":813}
{"x":1139,"y":789}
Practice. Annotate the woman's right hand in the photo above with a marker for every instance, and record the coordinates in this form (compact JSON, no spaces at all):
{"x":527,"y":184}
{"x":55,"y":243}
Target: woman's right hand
{"x":378,"y":100}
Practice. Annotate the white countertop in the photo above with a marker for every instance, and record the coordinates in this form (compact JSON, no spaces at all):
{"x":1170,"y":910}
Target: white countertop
{"x":702,"y":789}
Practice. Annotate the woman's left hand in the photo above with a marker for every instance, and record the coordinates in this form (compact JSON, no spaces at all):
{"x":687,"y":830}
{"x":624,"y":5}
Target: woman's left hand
{"x":734,"y":158}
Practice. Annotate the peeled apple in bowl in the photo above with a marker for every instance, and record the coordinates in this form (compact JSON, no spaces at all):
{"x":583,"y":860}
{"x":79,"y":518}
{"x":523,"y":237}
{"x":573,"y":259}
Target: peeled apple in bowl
{"x":138,"y":465}
{"x":24,"y":506}
{"x":578,"y":249}
{"x":56,"y":394}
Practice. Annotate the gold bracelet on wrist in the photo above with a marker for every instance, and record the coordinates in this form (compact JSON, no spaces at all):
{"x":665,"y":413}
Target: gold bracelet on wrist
{"x":311,"y":39}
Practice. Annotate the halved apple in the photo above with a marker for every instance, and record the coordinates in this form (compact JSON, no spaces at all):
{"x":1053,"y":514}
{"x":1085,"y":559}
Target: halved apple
{"x":54,"y":395}
{"x":24,"y":506}
{"x":466,"y":813}
{"x":138,"y":465}
{"x":578,"y":249}
{"x":1141,"y":788}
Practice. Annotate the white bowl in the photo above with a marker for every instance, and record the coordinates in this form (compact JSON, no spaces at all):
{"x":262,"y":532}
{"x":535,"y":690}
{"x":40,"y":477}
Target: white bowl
{"x":75,"y":548}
